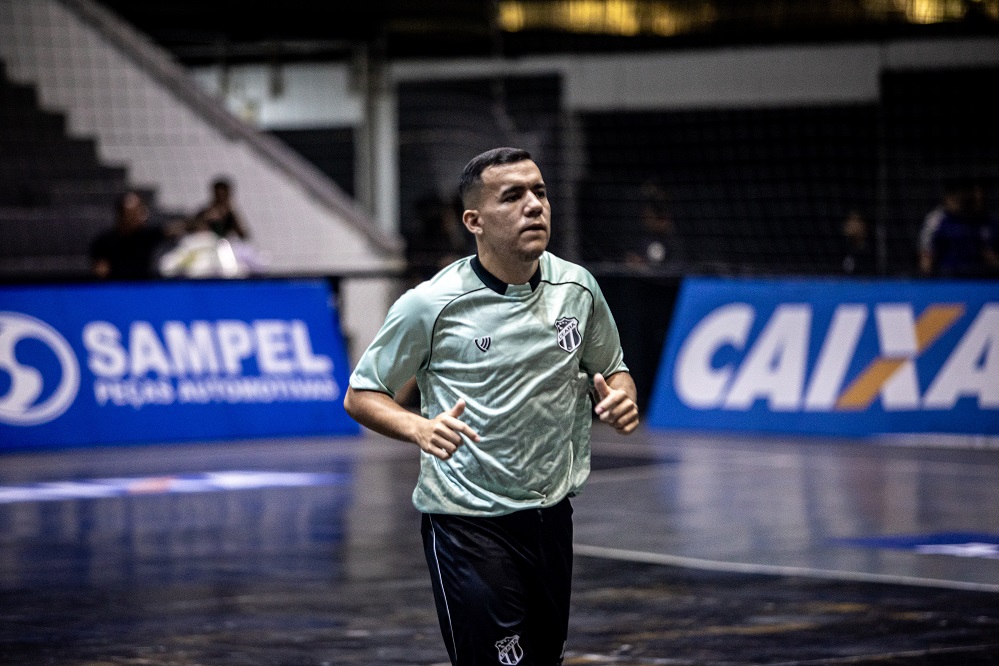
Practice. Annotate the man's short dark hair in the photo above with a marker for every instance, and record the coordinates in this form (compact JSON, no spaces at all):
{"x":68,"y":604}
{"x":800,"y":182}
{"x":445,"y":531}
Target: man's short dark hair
{"x":471,"y":176}
{"x":223,"y":182}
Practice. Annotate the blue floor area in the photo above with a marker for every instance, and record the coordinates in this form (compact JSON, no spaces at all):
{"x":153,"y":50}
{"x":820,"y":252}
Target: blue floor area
{"x":691,"y":549}
{"x":839,"y":509}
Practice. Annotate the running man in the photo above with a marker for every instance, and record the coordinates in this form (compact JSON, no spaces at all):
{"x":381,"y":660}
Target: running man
{"x":507,"y":347}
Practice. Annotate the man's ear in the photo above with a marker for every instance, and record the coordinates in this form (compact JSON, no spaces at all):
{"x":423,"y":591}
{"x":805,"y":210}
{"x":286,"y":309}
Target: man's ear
{"x":472,"y":221}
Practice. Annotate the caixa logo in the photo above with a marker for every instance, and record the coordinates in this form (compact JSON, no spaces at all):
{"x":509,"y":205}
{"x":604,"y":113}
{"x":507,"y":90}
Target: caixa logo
{"x":791,"y":370}
{"x":39,"y":373}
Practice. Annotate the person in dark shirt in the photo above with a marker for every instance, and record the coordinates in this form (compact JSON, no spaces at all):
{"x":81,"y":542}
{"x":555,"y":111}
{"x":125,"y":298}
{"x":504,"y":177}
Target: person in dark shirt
{"x":857,"y":250}
{"x":656,"y":242}
{"x":127,"y":251}
{"x":991,"y":234}
{"x":219,"y":215}
{"x":952,"y":200}
{"x":960,"y":244}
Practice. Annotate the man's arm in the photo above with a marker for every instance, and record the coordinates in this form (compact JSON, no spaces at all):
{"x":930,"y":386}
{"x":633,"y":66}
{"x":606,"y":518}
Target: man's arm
{"x":618,"y":401}
{"x":926,"y":262}
{"x":440,"y":436}
{"x":238,"y":226}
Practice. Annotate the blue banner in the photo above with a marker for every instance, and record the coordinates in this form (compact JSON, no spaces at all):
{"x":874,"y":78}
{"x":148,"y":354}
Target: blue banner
{"x":831,"y":357}
{"x":169,"y":361}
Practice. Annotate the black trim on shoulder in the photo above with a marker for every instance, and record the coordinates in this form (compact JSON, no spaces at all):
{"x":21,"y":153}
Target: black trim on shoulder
{"x":495,"y":283}
{"x":593,"y":299}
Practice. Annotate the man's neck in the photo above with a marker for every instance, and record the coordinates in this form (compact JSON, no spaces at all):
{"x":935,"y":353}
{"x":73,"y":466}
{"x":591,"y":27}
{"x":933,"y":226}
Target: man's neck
{"x":511,"y":272}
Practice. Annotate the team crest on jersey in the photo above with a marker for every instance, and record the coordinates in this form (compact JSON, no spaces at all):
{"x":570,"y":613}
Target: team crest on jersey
{"x":510,"y":652}
{"x":483,"y":343}
{"x":569,"y":337}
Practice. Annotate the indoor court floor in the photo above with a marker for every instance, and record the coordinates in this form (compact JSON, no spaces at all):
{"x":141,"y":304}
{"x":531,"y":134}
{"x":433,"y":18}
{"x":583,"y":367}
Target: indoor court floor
{"x":691,"y":549}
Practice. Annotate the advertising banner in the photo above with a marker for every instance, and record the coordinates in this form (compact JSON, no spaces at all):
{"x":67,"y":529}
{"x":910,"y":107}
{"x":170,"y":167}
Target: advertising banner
{"x":831,"y":357}
{"x":169,"y":361}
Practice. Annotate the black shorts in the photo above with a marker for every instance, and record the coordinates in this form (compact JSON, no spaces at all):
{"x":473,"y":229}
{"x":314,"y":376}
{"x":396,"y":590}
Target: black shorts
{"x":502,"y":585}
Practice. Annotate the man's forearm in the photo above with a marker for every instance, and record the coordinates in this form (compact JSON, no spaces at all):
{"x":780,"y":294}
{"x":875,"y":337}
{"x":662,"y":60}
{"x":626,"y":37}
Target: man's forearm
{"x":440,"y":436}
{"x":379,"y":412}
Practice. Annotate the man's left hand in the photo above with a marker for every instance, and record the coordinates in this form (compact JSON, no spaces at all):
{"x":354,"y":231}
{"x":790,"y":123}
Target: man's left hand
{"x":616,"y":408}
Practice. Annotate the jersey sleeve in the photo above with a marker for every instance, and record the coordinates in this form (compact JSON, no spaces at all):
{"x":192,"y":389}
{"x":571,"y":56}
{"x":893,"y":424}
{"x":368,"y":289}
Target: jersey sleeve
{"x":400,"y":348}
{"x":602,"y":343}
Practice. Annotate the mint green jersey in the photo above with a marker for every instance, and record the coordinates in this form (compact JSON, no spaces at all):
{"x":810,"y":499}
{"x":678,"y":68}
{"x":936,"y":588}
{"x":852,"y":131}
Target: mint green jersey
{"x":522,"y":357}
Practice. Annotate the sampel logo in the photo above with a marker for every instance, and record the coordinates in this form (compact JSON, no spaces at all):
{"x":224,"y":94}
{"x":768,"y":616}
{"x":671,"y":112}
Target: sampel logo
{"x":20,"y":406}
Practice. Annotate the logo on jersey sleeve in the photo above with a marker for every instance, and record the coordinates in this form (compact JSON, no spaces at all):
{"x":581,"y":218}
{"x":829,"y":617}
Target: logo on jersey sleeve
{"x":483,"y":343}
{"x":510,"y":652}
{"x":569,"y":337}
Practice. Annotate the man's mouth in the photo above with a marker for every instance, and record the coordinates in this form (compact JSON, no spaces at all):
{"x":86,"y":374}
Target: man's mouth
{"x":538,"y":226}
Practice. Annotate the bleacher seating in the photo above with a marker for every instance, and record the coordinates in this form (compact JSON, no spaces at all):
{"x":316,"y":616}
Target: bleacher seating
{"x":55,"y":194}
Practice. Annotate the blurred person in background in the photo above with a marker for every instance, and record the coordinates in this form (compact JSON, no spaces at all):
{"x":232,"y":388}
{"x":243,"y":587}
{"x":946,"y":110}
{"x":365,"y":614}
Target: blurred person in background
{"x":990,"y":235}
{"x":216,"y":244}
{"x":957,"y":240}
{"x":508,"y":346}
{"x":219,"y":214}
{"x":129,"y":250}
{"x":992,"y":247}
{"x":857,"y":250}
{"x":950,"y":203}
{"x":655,"y":243}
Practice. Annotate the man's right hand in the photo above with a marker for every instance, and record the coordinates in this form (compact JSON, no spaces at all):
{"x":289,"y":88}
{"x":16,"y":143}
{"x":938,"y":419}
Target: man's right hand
{"x":441,"y":435}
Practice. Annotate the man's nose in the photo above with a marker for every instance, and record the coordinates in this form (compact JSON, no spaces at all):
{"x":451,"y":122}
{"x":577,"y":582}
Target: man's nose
{"x":533,"y":204}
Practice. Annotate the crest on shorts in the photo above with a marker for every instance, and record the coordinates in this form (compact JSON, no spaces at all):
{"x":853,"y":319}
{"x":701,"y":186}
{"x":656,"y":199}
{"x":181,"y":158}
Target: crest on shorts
{"x":483,"y":343}
{"x":569,"y":337}
{"x":510,"y":652}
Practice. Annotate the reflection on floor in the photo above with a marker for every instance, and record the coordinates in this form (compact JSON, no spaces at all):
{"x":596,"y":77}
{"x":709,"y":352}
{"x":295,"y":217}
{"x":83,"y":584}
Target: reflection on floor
{"x":692,"y":550}
{"x":799,"y":506}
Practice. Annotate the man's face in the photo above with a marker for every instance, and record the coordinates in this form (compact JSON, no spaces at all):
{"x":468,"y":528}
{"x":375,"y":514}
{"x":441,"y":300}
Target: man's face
{"x":134,"y":212}
{"x":512,"y":214}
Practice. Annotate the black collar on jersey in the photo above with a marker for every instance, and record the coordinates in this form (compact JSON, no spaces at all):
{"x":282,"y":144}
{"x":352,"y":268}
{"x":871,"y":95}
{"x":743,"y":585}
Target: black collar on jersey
{"x":495,"y":283}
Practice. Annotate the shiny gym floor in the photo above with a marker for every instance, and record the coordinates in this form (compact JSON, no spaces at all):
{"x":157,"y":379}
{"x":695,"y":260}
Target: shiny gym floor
{"x":691,"y":549}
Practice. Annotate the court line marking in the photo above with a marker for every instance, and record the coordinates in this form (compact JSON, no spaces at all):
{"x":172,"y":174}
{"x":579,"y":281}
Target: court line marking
{"x":774,"y":569}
